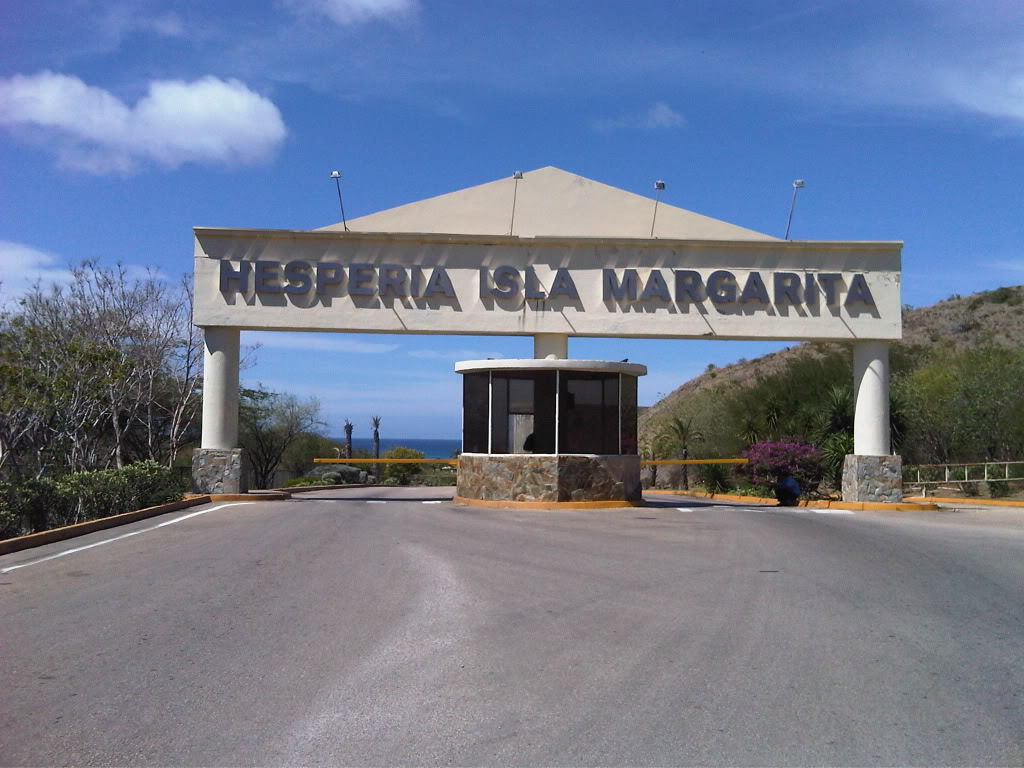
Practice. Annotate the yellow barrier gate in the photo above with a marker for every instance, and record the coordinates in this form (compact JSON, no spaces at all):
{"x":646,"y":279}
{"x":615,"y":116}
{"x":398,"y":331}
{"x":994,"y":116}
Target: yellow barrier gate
{"x":455,"y":462}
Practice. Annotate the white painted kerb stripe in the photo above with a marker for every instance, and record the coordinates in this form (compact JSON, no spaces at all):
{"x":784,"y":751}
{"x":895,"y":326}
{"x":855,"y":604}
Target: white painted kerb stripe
{"x":122,"y":536}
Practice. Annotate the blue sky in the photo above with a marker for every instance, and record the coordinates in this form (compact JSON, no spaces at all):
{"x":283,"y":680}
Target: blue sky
{"x":124,"y":124}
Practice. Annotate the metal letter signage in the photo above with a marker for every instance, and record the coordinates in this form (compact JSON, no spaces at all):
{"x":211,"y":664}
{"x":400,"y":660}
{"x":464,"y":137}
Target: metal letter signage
{"x":503,"y":285}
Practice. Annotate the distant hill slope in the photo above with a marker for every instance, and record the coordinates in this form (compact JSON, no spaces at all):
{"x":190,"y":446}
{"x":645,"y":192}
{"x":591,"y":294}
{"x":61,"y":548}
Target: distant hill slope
{"x":960,"y":321}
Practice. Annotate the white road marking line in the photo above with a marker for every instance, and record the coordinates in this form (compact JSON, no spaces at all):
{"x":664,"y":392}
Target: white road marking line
{"x":122,"y":536}
{"x":370,"y":501}
{"x":834,"y":511}
{"x":433,"y":502}
{"x":684,"y":509}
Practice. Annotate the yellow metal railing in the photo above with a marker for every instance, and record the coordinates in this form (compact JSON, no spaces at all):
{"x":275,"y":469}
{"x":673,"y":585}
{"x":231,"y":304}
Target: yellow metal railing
{"x":660,"y":462}
{"x":455,"y":462}
{"x":382,"y":460}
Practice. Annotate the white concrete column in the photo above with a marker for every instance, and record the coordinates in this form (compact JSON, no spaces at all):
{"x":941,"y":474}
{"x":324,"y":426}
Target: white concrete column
{"x":871,"y":393}
{"x":220,"y":388}
{"x":547,"y":345}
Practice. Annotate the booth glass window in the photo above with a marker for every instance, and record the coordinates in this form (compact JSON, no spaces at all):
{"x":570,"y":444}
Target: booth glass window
{"x":629,"y":415}
{"x":475,"y":387}
{"x":523,"y":412}
{"x":589,"y":413}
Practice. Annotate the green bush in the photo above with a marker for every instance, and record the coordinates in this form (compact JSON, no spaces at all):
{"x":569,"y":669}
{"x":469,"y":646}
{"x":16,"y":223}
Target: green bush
{"x":716,"y":478}
{"x":336,"y":474}
{"x":38,"y":505}
{"x":998,"y":489}
{"x":32,"y":506}
{"x":402,"y":474}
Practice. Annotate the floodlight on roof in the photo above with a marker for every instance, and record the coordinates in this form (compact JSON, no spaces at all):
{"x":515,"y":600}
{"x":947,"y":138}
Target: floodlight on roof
{"x":659,"y":187}
{"x":336,"y":175}
{"x":516,"y":176}
{"x":797,"y":184}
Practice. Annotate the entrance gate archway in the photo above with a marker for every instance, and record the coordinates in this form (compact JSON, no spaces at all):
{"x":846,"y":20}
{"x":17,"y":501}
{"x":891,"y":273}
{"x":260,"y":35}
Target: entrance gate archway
{"x":578,"y":258}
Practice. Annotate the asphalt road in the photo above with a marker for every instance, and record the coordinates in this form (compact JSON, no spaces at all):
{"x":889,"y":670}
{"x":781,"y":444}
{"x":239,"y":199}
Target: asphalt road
{"x":388,"y":626}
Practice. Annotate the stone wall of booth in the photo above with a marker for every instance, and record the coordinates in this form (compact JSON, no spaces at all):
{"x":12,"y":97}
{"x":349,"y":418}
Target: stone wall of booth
{"x":545,"y":477}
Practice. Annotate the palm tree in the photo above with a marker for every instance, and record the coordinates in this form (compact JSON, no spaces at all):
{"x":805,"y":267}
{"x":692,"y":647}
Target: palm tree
{"x":654,"y":451}
{"x":375,"y":423}
{"x":684,"y":433}
{"x":348,"y":439}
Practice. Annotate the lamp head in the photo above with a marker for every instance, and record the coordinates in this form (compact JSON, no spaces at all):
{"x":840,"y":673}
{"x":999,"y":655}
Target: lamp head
{"x":799,"y":183}
{"x":659,"y":185}
{"x":335,"y":174}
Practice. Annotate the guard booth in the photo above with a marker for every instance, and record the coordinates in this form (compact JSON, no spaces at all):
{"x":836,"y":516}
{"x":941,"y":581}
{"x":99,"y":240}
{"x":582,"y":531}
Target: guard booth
{"x":549,"y":430}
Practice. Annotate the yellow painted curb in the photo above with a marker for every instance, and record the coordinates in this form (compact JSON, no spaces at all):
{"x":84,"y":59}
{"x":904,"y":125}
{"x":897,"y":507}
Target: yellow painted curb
{"x":304,"y":488}
{"x":80,"y":529}
{"x":914,"y":506}
{"x":725,"y":496}
{"x":968,"y":501}
{"x":256,"y":496}
{"x":499,"y":504}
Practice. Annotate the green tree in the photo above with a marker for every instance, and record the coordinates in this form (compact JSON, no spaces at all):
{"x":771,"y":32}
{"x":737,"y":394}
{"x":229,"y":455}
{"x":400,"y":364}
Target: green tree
{"x":965,"y":406}
{"x":269,"y":423}
{"x":402,"y":473}
{"x":298,"y":457}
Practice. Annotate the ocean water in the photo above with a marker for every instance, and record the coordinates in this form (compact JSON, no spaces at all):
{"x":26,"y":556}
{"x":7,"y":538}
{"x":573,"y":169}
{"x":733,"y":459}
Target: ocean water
{"x":432,"y":449}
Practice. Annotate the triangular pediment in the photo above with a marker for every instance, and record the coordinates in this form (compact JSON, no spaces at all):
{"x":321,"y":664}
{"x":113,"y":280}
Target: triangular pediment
{"x":549,"y":202}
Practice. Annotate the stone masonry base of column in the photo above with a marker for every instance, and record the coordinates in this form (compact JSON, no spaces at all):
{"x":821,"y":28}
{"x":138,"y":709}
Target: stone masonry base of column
{"x":547,"y":477}
{"x":873,"y":478}
{"x":216,"y":470}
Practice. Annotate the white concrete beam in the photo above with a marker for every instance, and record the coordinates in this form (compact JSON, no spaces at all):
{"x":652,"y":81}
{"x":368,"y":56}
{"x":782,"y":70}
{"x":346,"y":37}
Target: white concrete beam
{"x":551,"y":344}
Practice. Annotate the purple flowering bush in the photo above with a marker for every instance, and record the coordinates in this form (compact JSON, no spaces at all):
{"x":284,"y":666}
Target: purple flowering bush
{"x":769,"y":462}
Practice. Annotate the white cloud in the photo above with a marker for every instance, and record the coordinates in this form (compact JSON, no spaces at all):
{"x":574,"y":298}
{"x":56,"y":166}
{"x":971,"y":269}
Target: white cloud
{"x":204,"y":121}
{"x":661,"y":115}
{"x":345,"y":12}
{"x":455,"y":354}
{"x":21,"y":266}
{"x":658,"y":115}
{"x":317,"y":342}
{"x":165,"y":25}
{"x":1008,"y":265}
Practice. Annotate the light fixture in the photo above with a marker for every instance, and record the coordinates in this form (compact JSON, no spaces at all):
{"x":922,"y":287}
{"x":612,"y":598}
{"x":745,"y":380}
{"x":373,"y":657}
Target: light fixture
{"x":659,"y":187}
{"x":336,"y":175}
{"x":797,"y":184}
{"x":516,"y":176}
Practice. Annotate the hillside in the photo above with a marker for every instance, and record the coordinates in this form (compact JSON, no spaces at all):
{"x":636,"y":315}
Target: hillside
{"x":957,"y":322}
